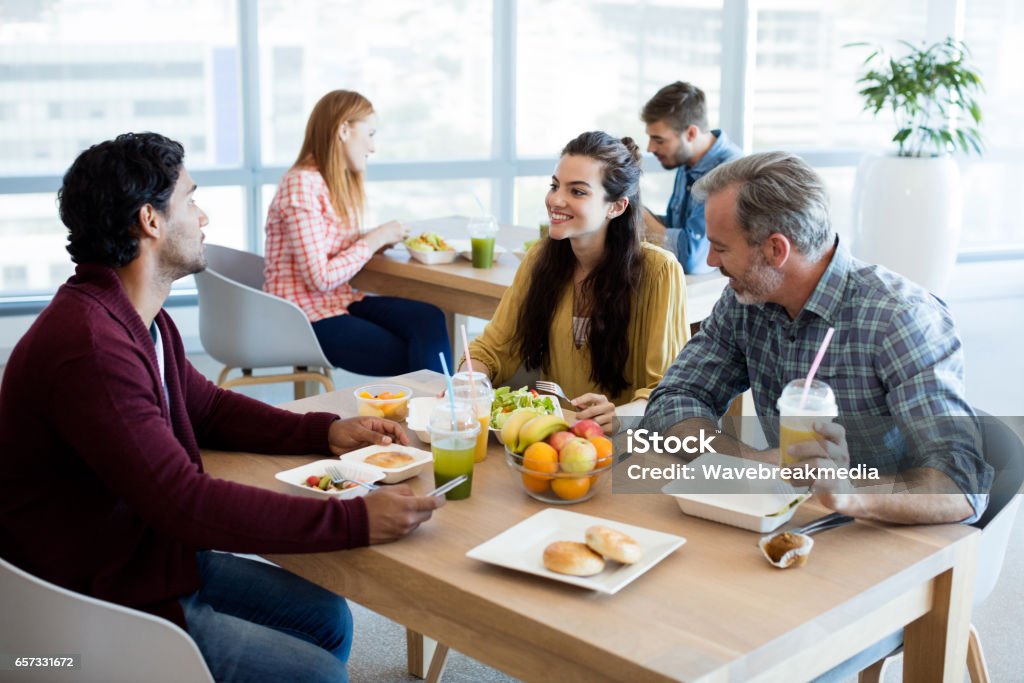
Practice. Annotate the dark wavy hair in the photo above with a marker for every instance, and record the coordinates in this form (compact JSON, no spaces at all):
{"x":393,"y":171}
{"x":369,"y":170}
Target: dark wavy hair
{"x":609,"y":290}
{"x":106,"y":187}
{"x":678,"y":104}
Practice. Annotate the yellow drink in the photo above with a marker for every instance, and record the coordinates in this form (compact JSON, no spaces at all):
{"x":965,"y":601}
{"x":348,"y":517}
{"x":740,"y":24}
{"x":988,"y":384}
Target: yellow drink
{"x":789,"y":435}
{"x":799,"y":411}
{"x":479,"y":396}
{"x":480,"y":454}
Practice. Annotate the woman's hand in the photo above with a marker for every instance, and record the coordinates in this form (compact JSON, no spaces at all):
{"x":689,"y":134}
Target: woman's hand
{"x":598,"y":408}
{"x":385,"y":235}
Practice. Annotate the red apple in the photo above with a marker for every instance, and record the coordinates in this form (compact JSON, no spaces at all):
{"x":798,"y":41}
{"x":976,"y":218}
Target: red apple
{"x":559,"y":439}
{"x":587,"y":429}
{"x":578,"y":455}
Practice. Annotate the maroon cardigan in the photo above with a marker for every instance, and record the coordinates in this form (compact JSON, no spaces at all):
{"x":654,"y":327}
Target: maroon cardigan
{"x":102,"y":489}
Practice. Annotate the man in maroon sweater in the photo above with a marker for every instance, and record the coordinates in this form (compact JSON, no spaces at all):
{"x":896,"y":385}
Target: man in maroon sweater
{"x":102,"y":489}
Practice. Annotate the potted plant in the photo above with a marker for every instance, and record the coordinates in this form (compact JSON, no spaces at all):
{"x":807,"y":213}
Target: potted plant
{"x":909,"y":205}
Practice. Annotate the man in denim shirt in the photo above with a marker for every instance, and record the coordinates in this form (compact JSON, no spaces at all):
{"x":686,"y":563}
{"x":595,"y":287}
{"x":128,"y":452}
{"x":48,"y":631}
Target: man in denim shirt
{"x":677,"y":128}
{"x":896,"y":354}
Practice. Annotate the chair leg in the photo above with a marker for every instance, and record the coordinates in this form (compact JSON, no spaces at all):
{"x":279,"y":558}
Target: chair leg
{"x":437,"y":664}
{"x":977,"y":669}
{"x":223,"y":376}
{"x":874,"y":673}
{"x":300,"y":387}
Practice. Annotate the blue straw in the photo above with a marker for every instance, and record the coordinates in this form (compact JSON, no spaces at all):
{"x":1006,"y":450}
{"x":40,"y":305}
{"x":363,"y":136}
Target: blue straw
{"x":451,"y":389}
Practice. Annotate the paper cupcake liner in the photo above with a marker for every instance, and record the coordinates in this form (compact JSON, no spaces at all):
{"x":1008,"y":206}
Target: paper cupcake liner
{"x":795,"y":557}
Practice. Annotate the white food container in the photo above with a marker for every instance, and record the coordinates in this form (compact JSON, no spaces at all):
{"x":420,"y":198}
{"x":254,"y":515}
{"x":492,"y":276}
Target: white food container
{"x":297,"y":475}
{"x":419,"y":416}
{"x":433,"y":258}
{"x":392,"y":475}
{"x":764,"y":504}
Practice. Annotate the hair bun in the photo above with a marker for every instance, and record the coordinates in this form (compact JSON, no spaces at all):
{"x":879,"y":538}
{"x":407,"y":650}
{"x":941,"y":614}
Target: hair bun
{"x":632,"y":148}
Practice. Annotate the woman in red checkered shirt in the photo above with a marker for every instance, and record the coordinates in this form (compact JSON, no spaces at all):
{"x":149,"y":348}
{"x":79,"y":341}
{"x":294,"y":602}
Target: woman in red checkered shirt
{"x":315,"y":246}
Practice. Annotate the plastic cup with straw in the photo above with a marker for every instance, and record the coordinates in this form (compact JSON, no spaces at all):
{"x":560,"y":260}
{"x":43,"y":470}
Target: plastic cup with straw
{"x":803,"y":403}
{"x":478,"y":393}
{"x":453,"y":430}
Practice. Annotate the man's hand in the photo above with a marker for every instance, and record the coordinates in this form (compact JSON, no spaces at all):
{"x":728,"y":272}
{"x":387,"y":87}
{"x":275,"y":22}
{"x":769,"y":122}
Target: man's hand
{"x":395,"y":511}
{"x":355,"y":432}
{"x":828,"y":452}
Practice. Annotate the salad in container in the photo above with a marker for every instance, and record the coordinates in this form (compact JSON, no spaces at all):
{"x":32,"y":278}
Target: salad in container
{"x":508,"y":400}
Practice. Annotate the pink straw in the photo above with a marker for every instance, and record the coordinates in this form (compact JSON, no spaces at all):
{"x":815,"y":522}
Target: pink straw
{"x":815,"y":364}
{"x":469,"y":361}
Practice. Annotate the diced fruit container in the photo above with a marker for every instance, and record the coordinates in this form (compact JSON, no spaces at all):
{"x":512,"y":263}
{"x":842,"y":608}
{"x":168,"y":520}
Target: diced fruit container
{"x":297,"y":476}
{"x":390,"y":401}
{"x":556,"y":487}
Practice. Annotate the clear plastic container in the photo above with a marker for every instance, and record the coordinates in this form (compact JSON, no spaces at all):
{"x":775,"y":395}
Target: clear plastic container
{"x":796,"y":422}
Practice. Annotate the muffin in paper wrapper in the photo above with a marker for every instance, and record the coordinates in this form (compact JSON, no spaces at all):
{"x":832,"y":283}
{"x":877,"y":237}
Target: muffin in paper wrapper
{"x":786,"y":549}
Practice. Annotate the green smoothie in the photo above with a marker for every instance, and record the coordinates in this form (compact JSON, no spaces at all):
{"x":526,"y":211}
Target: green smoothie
{"x":483,"y":252}
{"x":453,"y":456}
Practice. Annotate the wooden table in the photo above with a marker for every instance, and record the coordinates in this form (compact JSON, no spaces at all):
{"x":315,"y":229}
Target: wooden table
{"x":458,"y":288}
{"x":712,"y":611}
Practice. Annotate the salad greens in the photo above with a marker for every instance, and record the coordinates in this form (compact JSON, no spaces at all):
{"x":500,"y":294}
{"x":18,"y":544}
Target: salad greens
{"x":506,"y":400}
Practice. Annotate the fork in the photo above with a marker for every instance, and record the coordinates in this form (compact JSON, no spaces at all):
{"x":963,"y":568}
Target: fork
{"x":552,"y":388}
{"x":336,"y":477}
{"x":823,"y":524}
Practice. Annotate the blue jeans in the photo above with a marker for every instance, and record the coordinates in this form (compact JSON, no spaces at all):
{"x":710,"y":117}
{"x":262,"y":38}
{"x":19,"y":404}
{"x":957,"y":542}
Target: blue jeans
{"x":384,"y":335}
{"x":256,"y":622}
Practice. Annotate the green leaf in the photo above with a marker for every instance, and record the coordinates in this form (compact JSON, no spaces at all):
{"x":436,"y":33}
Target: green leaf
{"x":925,"y":89}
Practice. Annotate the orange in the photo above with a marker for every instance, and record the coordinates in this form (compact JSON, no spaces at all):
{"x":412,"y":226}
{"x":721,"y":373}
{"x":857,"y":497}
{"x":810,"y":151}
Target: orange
{"x":604,"y":449}
{"x":535,"y":484}
{"x":571,"y":489}
{"x":540,"y":457}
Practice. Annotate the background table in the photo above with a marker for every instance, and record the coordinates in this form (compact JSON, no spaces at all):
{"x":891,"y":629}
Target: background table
{"x":712,"y":611}
{"x":458,"y":288}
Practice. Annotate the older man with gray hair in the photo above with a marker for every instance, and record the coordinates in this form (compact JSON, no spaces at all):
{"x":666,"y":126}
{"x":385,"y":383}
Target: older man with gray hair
{"x":896,"y":353}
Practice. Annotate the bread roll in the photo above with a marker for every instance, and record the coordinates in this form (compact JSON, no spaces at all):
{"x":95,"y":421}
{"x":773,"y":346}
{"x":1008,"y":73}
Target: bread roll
{"x":570,"y":557}
{"x":389,"y":459}
{"x":612,"y":544}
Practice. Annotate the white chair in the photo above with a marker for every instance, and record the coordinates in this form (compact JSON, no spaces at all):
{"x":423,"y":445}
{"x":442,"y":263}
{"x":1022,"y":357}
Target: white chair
{"x":1004,"y":451}
{"x":244,"y":327}
{"x":114,"y":644}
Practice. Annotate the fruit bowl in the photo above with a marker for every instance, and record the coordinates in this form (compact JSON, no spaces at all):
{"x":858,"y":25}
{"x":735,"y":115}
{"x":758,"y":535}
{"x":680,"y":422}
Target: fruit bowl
{"x":544,"y":479}
{"x":390,"y":401}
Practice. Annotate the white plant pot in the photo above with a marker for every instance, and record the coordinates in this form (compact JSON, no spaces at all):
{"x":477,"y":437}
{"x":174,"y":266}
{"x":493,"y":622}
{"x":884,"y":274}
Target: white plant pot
{"x":908,"y":214}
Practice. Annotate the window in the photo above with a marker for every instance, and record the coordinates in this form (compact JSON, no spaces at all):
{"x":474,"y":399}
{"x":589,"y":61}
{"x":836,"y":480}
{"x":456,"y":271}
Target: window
{"x":73,"y":72}
{"x":586,"y":66}
{"x":33,"y":240}
{"x":804,"y":85}
{"x":475,"y":99}
{"x":425,"y":66}
{"x":992,"y":184}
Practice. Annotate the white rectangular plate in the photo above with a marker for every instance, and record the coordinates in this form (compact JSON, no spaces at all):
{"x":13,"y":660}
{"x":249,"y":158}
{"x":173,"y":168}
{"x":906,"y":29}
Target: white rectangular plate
{"x":521,"y":547}
{"x":392,"y":475}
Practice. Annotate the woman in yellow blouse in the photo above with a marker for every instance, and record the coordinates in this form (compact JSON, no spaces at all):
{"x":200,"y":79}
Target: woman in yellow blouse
{"x":594,"y":308}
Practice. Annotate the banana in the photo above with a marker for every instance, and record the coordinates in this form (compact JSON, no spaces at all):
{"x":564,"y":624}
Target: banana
{"x":538,"y":429}
{"x":510,"y":430}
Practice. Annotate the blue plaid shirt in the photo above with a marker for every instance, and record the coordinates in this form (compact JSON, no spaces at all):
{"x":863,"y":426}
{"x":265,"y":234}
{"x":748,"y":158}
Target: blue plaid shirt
{"x":896,"y":353}
{"x":685,"y":230}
